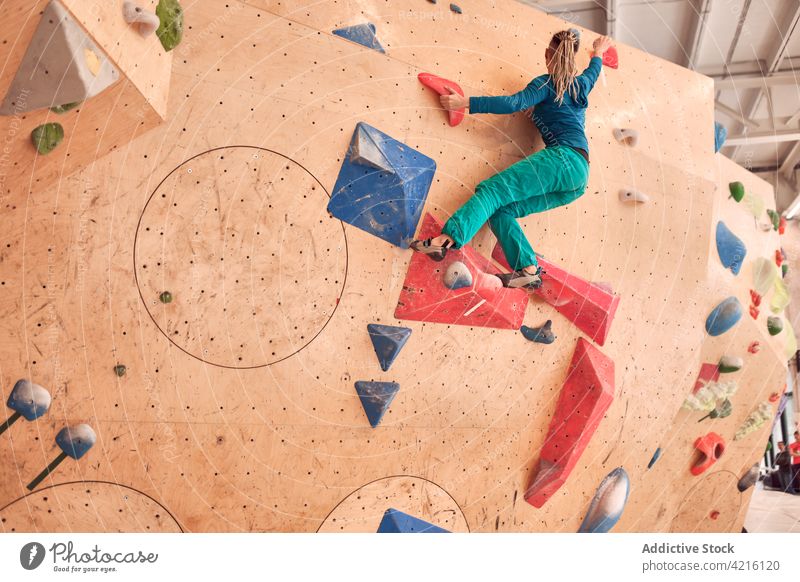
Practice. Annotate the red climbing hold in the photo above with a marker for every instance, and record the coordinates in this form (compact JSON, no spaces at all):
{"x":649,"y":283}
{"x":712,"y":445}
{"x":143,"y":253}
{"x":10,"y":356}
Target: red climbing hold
{"x":754,"y":347}
{"x":484,"y":303}
{"x":755,"y":297}
{"x":611,"y":58}
{"x":708,"y":373}
{"x":782,"y":225}
{"x":442,"y":87}
{"x":591,"y":307}
{"x":754,"y":312}
{"x":587,"y":393}
{"x":714,"y":514}
{"x":778,"y":257}
{"x":711,"y":447}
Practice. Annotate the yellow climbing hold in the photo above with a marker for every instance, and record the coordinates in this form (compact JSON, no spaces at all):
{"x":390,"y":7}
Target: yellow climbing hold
{"x":790,"y":342}
{"x":92,"y":61}
{"x":754,"y":203}
{"x":764,"y":275}
{"x":780,"y":296}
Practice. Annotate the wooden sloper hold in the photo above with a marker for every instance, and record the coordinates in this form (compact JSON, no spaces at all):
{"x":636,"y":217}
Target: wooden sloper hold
{"x":587,"y":393}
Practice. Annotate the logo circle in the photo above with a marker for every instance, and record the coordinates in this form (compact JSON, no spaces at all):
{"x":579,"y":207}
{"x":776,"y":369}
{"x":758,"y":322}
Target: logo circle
{"x":31,"y":555}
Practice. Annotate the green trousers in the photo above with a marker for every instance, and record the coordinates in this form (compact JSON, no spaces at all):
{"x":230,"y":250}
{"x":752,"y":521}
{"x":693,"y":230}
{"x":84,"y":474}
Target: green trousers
{"x":551,"y":177}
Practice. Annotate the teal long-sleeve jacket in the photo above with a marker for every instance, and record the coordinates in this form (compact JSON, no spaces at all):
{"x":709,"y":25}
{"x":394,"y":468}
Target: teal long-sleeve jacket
{"x":559,"y":124}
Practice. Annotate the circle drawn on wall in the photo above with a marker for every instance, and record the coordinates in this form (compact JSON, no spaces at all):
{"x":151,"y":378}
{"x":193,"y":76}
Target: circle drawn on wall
{"x":241,"y":240}
{"x":715,"y":492}
{"x":362,"y":510}
{"x":87,"y":506}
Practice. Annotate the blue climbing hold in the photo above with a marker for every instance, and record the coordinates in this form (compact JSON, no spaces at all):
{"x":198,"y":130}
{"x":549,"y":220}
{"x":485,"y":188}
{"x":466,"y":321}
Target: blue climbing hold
{"x":720,"y":135}
{"x":387,"y":340}
{"x":376,"y":397}
{"x":730,"y":248}
{"x":29,"y":400}
{"x":724,"y":316}
{"x":455,"y":8}
{"x":542,"y":335}
{"x":656,"y":457}
{"x":382,"y":186}
{"x":363,"y":34}
{"x":395,"y":521}
{"x":76,"y":441}
{"x":608,"y":503}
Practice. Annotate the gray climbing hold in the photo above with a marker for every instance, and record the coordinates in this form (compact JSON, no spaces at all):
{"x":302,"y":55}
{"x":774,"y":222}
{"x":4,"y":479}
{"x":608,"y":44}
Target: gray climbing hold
{"x":728,"y":364}
{"x":46,"y":137}
{"x":455,"y":8}
{"x":749,"y":478}
{"x":633,"y":196}
{"x":365,"y":149}
{"x":627,"y":136}
{"x":774,"y":325}
{"x":62,"y":64}
{"x":457,"y":276}
{"x":170,"y":29}
{"x":542,"y":335}
{"x":133,"y":14}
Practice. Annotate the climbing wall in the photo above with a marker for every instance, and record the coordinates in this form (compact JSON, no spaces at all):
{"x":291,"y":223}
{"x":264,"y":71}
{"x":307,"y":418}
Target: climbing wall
{"x":201,"y":257}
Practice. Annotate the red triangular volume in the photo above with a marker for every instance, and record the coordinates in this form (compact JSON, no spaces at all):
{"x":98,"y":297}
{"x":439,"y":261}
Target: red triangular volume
{"x":441,"y":86}
{"x":611,"y":58}
{"x":590,"y":306}
{"x":587,"y":393}
{"x":485,"y":303}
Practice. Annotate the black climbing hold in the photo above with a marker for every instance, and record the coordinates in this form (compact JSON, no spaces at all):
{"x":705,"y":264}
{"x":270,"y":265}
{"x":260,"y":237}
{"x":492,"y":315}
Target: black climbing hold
{"x":120,"y":370}
{"x":387,"y":340}
{"x":655,"y":458}
{"x":542,"y":335}
{"x":376,"y":397}
{"x":165,"y":297}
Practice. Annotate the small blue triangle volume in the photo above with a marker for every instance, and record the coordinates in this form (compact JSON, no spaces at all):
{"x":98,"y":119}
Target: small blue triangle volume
{"x":376,"y":397}
{"x":387,"y":340}
{"x":395,"y":521}
{"x":363,"y":34}
{"x":382,"y":186}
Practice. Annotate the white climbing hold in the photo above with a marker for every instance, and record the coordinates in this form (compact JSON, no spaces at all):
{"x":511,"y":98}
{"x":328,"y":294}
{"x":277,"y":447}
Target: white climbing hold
{"x":633,"y":196}
{"x":457,"y":276}
{"x":627,"y":136}
{"x":148,"y":21}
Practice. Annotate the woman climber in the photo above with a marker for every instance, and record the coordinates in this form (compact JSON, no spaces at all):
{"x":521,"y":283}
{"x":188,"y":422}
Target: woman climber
{"x":552,"y":177}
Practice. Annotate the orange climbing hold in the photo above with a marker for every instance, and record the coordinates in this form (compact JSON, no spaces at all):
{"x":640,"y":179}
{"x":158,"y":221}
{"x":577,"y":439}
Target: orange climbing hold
{"x":711,"y":447}
{"x":587,"y":393}
{"x":590,"y":306}
{"x":444,"y":87}
{"x":484,"y":302}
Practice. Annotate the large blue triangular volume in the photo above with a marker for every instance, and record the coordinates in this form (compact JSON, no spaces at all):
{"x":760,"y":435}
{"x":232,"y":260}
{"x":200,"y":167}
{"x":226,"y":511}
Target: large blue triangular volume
{"x":363,"y":34}
{"x":382,"y":186}
{"x":387,"y":340}
{"x":376,"y":397}
{"x":395,"y":521}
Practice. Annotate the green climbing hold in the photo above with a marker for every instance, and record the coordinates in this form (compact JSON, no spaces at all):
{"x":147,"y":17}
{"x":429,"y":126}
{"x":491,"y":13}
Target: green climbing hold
{"x":66,"y":107}
{"x":120,"y":370}
{"x":775,"y":218}
{"x":165,"y":297}
{"x":46,"y":137}
{"x":737,"y":190}
{"x":774,"y":325}
{"x":721,"y":410}
{"x":728,"y":364}
{"x":784,"y":269}
{"x":170,"y":31}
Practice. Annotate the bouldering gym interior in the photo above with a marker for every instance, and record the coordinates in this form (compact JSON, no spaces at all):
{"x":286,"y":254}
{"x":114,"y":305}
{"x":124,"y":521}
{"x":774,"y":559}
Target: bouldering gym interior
{"x":221,"y":311}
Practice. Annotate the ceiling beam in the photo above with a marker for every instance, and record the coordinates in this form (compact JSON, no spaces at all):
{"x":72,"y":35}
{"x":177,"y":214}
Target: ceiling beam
{"x":731,"y":112}
{"x":738,"y":82}
{"x":698,"y":34}
{"x":763,"y":137}
{"x":789,"y":162}
{"x":611,"y":17}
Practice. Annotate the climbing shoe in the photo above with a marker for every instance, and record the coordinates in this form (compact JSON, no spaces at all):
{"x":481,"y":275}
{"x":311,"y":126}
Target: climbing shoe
{"x":435,"y":252}
{"x":522,"y":279}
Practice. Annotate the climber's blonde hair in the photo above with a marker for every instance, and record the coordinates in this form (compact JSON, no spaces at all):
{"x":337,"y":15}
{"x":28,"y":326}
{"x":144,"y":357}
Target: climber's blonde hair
{"x":563,"y":47}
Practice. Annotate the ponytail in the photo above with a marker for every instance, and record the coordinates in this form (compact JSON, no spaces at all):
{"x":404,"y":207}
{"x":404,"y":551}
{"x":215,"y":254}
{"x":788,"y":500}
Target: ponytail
{"x":564,"y":46}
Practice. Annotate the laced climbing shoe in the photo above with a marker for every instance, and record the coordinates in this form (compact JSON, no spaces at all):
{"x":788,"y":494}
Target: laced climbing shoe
{"x":435,"y":252}
{"x":522,"y":279}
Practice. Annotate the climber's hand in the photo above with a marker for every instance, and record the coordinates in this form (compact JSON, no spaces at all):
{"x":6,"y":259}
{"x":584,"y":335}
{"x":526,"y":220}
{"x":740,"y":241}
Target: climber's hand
{"x":453,"y":101}
{"x":601,"y":45}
